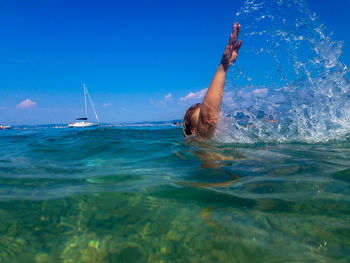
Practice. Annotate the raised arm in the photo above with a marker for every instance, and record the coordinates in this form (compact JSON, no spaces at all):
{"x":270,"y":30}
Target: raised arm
{"x":211,"y":105}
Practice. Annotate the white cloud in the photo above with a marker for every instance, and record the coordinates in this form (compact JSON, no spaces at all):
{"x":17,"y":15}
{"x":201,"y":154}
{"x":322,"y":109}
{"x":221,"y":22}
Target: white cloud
{"x":163,"y":102}
{"x":167,"y":97}
{"x":194,"y":95}
{"x":108,"y":104}
{"x":28,"y":103}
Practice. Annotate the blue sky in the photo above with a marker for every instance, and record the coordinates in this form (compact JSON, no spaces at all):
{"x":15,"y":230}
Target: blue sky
{"x":137,"y":58}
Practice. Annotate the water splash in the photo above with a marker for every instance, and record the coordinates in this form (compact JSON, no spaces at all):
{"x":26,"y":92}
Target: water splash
{"x":288,"y":83}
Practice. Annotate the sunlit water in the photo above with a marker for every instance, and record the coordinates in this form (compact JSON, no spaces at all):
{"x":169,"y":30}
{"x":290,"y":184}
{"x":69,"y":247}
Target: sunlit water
{"x":288,"y":80}
{"x":273,"y":186}
{"x":146,"y":195}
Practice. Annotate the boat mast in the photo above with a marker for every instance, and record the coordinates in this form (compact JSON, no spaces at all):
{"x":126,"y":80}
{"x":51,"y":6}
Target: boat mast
{"x":85,"y":101}
{"x":98,"y":121}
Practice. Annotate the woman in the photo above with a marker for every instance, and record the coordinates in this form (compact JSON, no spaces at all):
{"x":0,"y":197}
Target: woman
{"x":201,"y":118}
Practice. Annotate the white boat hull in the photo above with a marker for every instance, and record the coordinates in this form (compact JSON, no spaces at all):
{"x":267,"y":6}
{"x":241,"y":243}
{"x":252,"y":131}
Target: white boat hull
{"x":82,"y":124}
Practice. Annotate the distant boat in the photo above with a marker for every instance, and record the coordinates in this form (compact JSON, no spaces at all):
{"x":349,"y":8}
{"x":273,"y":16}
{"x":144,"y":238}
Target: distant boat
{"x":83,"y":122}
{"x":5,"y":127}
{"x":176,"y":124}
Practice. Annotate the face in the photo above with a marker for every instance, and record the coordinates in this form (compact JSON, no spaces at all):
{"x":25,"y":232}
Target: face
{"x":194,"y":120}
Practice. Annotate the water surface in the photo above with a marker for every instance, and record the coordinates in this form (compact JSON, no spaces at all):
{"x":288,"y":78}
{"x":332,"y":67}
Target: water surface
{"x":146,"y":195}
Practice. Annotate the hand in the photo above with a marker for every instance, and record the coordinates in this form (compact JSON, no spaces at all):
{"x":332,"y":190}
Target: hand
{"x":232,"y":48}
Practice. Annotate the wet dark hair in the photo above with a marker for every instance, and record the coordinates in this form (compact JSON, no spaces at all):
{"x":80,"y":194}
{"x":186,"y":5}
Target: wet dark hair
{"x":187,"y":122}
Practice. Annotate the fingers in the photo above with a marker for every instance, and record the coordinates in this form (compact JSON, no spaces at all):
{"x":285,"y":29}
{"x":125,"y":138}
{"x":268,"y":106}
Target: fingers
{"x":232,"y":48}
{"x":235,"y":31}
{"x":237,"y":46}
{"x":238,"y":29}
{"x":230,"y":41}
{"x":233,"y":36}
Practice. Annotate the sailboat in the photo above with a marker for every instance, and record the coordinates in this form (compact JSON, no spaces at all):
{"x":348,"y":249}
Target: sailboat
{"x":83,"y":122}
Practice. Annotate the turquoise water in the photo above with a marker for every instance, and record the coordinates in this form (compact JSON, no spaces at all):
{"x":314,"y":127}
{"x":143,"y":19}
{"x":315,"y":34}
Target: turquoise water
{"x":273,"y":185}
{"x":146,"y":195}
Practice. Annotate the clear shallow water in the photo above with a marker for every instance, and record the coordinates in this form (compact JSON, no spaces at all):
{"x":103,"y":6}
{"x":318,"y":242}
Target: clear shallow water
{"x":146,"y":195}
{"x":275,"y":187}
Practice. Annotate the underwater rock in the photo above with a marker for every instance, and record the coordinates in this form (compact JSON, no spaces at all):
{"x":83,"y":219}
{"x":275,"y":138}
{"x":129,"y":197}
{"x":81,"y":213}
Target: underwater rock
{"x":146,"y":231}
{"x":174,"y":235}
{"x":103,"y":215}
{"x":131,"y":253}
{"x":42,"y":257}
{"x":11,"y":248}
{"x":220,"y":255}
{"x":85,"y":248}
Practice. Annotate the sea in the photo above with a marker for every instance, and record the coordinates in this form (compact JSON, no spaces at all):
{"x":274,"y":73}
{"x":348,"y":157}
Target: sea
{"x":144,"y":194}
{"x":272,"y":185}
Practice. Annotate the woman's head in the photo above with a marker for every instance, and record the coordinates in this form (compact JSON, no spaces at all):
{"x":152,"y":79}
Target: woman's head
{"x":191,"y":119}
